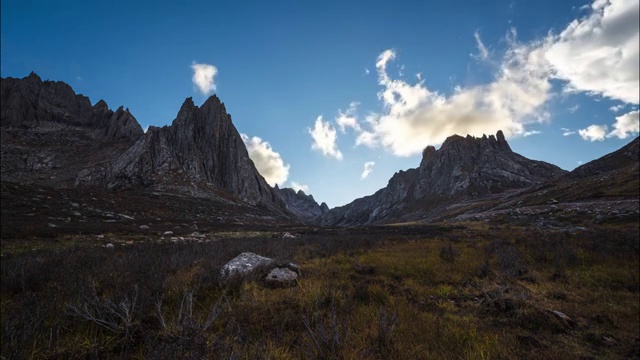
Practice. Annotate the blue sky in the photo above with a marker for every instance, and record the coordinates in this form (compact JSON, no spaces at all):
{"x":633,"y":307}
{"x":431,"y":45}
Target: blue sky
{"x":539,"y":70}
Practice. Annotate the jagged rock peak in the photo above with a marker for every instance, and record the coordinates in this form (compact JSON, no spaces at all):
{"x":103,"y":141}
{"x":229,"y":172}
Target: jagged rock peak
{"x":324,"y":207}
{"x":30,"y":103}
{"x":498,"y":141}
{"x":211,"y":108}
{"x":427,"y":154}
{"x":33,"y":76}
{"x":101,"y":105}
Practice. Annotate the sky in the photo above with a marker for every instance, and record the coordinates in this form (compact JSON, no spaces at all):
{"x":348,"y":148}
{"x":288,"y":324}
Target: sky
{"x":334,"y":97}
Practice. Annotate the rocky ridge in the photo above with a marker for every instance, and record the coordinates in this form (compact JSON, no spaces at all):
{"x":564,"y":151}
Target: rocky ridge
{"x":54,"y":137}
{"x":463,"y":168}
{"x":302,"y":205}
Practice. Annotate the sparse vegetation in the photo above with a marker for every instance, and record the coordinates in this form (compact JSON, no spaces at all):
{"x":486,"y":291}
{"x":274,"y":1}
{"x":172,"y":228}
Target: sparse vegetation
{"x":374,"y":293}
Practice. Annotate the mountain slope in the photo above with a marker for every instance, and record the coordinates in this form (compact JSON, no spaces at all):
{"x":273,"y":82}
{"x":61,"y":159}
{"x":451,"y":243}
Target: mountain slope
{"x":463,"y":169}
{"x":610,"y":177}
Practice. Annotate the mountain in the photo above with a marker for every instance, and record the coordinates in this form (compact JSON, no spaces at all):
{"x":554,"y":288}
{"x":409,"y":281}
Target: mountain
{"x":464,"y":169}
{"x":53,"y":137}
{"x":303,"y":206}
{"x":611,"y":177}
{"x":49,"y":133}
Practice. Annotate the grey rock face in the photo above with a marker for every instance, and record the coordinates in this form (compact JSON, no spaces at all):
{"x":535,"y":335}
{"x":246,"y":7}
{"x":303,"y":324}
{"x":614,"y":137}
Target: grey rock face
{"x":303,"y":206}
{"x":45,"y":106}
{"x":201,"y":145}
{"x":479,"y":165}
{"x":463,"y":167}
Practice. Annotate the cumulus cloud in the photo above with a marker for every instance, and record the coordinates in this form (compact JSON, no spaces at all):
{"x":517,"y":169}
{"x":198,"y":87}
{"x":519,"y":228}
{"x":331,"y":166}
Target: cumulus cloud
{"x":204,"y":77}
{"x":626,"y":125}
{"x":616,"y":108}
{"x":297,"y":187}
{"x":415,"y":116}
{"x":324,"y":138}
{"x":593,"y":132}
{"x":268,"y":162}
{"x":368,"y":168}
{"x":347,"y":119}
{"x":598,"y":53}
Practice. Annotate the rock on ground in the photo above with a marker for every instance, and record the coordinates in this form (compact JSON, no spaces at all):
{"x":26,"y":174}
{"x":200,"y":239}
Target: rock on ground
{"x":276,"y":274}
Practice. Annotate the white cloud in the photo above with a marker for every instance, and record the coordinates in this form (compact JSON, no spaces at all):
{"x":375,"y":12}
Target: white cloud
{"x":204,"y":77}
{"x":616,"y":108}
{"x":415,"y":116}
{"x":297,"y":187}
{"x":598,"y":53}
{"x":567,"y":132}
{"x":366,"y":71}
{"x":368,"y":168}
{"x":593,"y":132}
{"x":626,"y":125}
{"x":324,"y":138}
{"x":484,"y":53}
{"x":367,"y":139}
{"x":268,"y":162}
{"x":532,"y":132}
{"x":348,"y":119}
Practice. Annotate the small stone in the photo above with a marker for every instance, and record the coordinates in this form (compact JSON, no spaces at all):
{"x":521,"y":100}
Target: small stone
{"x":52,"y":225}
{"x":109,"y":246}
{"x":144,"y":227}
{"x":167,"y":233}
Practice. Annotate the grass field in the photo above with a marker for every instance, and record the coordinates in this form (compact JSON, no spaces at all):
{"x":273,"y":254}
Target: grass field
{"x":466,"y":292}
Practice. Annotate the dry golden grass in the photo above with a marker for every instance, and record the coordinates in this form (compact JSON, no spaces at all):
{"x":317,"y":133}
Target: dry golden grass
{"x":472,"y":293}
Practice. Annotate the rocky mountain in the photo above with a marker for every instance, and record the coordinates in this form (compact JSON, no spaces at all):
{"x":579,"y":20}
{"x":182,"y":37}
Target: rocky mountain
{"x":302,"y":205}
{"x":52,"y":136}
{"x":49,"y":133}
{"x":463,"y":168}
